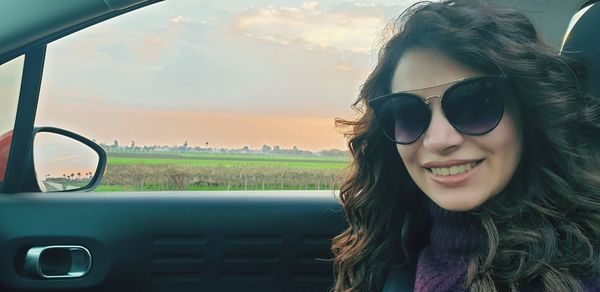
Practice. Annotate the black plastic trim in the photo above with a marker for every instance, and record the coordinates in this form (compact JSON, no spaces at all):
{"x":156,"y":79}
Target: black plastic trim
{"x":587,"y":3}
{"x":52,"y":37}
{"x":28,"y":99}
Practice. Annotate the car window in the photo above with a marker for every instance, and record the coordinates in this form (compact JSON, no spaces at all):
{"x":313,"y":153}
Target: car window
{"x":10,"y":82}
{"x":216,"y":95}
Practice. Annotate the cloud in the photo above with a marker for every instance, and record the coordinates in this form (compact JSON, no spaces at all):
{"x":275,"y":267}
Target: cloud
{"x":345,"y":28}
{"x":180,"y":19}
{"x":150,"y":46}
{"x":346,"y":67}
{"x":210,"y":20}
{"x":310,"y":5}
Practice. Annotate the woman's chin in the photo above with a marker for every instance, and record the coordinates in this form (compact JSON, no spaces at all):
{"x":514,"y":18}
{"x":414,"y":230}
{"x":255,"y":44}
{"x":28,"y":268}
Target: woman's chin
{"x":460,"y":203}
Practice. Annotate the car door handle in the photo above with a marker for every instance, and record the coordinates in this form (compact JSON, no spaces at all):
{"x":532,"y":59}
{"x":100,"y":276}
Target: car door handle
{"x":58,"y":261}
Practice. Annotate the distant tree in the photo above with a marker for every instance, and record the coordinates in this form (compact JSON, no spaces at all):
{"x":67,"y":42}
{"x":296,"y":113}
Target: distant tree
{"x":266,"y":148}
{"x":115,"y":143}
{"x":276,"y":149}
{"x":79,"y":175}
{"x":132,"y":144}
{"x":183,"y":147}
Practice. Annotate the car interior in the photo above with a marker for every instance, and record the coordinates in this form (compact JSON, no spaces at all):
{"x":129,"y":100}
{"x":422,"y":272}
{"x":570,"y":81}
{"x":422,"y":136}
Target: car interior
{"x":71,"y":239}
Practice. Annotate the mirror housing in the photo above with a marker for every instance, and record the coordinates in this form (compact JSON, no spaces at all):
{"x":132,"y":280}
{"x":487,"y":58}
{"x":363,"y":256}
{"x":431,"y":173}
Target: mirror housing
{"x":56,"y":151}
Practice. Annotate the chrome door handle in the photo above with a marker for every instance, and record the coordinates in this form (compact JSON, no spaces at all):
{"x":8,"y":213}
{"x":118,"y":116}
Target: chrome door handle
{"x":58,"y":261}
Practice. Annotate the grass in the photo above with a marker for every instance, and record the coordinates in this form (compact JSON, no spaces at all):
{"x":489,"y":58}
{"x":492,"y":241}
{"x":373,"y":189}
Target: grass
{"x":112,"y":188}
{"x":234,"y":160}
{"x":265,"y":157}
{"x":143,"y":171}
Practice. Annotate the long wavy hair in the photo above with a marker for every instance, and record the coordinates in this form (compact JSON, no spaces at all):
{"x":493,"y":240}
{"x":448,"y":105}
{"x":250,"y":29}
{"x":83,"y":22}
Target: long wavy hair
{"x":545,"y":226}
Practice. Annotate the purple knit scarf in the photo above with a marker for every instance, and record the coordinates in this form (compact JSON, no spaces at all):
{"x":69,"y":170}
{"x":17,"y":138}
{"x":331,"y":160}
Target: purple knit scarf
{"x":455,"y":236}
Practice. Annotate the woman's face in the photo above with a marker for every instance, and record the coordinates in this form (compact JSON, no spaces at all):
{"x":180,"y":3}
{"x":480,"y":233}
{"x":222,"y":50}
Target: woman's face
{"x":497,"y":153}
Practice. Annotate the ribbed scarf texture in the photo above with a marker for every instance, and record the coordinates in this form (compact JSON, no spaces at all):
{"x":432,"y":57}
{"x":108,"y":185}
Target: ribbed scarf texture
{"x":455,"y":236}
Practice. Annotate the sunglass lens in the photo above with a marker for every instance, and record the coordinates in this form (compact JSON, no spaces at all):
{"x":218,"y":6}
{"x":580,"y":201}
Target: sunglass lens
{"x":475,"y":107}
{"x":405,"y":118}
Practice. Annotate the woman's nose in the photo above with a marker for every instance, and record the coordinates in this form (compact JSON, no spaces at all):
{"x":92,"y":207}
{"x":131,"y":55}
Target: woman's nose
{"x":441,"y":136}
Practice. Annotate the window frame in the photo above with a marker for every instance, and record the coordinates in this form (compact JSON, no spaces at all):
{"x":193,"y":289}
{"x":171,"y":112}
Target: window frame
{"x":35,"y":52}
{"x":21,"y":143}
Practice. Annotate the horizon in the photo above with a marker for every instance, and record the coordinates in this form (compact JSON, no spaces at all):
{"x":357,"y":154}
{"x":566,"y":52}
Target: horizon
{"x":137,"y":146}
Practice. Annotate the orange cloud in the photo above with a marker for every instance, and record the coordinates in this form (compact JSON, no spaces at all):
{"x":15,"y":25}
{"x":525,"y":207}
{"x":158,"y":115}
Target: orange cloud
{"x":312,"y":26}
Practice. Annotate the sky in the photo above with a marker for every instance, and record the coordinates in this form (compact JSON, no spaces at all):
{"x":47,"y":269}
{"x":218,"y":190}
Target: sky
{"x":227,"y":73}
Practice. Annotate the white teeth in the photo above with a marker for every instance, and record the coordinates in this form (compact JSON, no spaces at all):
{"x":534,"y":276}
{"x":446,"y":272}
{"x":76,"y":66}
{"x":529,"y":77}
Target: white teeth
{"x":453,"y":170}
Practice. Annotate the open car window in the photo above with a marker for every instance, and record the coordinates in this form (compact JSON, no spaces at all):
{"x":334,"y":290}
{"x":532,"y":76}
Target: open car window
{"x":216,"y":96}
{"x":10,"y":82}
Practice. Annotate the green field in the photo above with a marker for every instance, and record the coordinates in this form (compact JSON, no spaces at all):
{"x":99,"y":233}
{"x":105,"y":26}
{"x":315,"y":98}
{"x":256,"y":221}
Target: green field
{"x":144,"y":171}
{"x":229,"y":160}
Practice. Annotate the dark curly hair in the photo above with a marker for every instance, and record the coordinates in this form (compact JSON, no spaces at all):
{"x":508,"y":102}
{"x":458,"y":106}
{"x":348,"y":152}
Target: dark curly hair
{"x":545,"y":225}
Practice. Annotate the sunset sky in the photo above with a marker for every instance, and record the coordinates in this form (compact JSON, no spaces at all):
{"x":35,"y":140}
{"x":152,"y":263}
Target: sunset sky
{"x":231,"y":73}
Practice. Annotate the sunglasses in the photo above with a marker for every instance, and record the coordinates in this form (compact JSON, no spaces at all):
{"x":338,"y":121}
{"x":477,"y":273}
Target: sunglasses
{"x":473,"y":106}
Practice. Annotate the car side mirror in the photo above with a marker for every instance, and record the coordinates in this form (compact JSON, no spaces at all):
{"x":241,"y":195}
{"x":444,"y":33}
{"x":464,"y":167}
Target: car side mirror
{"x":63,"y":161}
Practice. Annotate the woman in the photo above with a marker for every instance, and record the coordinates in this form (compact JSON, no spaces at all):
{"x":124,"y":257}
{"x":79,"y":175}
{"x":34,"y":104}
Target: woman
{"x":476,"y":161}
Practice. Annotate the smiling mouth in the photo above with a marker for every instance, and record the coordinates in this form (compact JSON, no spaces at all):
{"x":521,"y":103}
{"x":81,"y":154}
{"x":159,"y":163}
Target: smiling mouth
{"x":454,"y":170}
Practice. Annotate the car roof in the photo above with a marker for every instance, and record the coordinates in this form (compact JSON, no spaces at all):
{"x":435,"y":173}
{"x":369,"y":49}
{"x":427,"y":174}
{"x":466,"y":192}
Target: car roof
{"x":25,"y":23}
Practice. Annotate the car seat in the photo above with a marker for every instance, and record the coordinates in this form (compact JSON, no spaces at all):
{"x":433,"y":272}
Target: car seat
{"x":582,"y":42}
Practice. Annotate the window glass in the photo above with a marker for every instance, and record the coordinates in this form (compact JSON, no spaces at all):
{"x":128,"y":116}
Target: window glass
{"x":217,"y":95}
{"x":10,"y":83}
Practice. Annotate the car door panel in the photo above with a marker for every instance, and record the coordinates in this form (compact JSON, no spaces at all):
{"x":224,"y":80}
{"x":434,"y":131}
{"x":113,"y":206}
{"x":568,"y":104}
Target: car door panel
{"x":179,"y":241}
